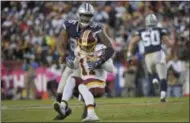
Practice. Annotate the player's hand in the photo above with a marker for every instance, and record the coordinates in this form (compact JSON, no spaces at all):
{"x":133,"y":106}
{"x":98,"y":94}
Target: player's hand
{"x":70,"y":61}
{"x":94,"y":65}
{"x":62,"y":59}
{"x":130,"y":59}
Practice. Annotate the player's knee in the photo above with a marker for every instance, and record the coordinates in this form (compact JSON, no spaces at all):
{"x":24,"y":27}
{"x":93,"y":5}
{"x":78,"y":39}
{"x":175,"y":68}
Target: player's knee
{"x":81,"y":87}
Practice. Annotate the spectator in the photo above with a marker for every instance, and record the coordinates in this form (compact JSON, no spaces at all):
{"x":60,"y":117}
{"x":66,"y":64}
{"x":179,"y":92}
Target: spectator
{"x":175,"y":68}
{"x":29,"y":29}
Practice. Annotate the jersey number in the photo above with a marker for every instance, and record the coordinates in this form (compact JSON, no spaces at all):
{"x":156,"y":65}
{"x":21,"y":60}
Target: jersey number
{"x":83,"y":70}
{"x":151,"y":38}
{"x":72,"y":21}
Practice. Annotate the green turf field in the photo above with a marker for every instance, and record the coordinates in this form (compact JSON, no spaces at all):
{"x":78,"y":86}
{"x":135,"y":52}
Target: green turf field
{"x":113,"y":110}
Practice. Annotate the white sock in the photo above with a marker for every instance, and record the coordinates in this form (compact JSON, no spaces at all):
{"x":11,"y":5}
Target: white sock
{"x":90,"y":110}
{"x":163,"y":95}
{"x":63,"y":80}
{"x":68,"y":90}
{"x":87,"y":96}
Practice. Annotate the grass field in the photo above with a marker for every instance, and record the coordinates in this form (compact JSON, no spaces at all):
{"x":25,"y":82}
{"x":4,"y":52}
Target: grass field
{"x":109,"y":110}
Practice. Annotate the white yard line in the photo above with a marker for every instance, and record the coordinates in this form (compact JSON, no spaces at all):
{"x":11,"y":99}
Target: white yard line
{"x":47,"y":106}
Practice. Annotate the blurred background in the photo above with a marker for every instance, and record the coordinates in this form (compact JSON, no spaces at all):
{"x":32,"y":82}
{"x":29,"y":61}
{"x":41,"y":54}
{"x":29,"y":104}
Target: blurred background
{"x":29,"y":59}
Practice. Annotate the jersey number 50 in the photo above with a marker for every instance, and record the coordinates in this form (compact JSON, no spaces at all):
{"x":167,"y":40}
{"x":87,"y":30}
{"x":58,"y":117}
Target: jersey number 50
{"x":151,"y":38}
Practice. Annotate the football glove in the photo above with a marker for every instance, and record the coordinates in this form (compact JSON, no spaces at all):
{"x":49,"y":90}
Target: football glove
{"x":62,"y":59}
{"x":70,"y":61}
{"x":95,"y":65}
{"x":130,"y":59}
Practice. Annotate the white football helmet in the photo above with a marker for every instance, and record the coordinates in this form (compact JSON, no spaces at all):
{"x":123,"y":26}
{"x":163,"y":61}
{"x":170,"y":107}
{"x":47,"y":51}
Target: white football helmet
{"x":151,"y":20}
{"x":85,"y":14}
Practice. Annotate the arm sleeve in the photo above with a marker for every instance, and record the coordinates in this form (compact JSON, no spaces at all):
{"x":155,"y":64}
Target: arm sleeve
{"x":65,"y":25}
{"x":107,"y":41}
{"x":108,"y":66}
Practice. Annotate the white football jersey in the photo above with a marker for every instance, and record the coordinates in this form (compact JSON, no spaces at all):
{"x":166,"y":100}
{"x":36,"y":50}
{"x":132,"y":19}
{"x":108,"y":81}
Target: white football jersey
{"x":81,"y":59}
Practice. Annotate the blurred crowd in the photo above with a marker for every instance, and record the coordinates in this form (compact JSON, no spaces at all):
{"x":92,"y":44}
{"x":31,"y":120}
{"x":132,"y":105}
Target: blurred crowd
{"x":29,"y":31}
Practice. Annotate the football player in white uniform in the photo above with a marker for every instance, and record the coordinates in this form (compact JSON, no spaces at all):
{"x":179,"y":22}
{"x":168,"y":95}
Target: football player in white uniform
{"x":152,"y":38}
{"x":92,"y":83}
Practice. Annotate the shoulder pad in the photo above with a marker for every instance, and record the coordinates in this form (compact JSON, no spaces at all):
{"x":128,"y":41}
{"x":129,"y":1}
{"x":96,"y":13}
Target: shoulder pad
{"x":96,"y":26}
{"x":68,"y":23}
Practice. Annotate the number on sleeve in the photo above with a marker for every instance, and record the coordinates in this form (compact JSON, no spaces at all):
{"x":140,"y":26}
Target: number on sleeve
{"x":72,"y":21}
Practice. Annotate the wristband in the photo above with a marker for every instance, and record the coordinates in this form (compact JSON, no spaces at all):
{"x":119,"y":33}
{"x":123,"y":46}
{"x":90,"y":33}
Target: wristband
{"x":128,"y":54}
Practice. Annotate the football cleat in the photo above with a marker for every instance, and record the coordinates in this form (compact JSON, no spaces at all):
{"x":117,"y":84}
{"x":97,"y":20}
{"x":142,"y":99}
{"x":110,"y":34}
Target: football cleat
{"x":59,"y":117}
{"x":84,"y":112}
{"x":63,"y":113}
{"x":91,"y":117}
{"x":163,"y":100}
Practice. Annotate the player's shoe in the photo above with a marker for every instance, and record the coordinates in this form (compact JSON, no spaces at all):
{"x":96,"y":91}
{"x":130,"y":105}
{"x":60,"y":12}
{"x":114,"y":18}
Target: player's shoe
{"x":63,"y":113}
{"x":59,"y":117}
{"x":91,"y":117}
{"x":84,"y":113}
{"x":163,"y":100}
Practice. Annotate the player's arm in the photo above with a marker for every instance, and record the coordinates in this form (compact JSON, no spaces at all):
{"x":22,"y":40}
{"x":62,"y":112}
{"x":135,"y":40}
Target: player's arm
{"x":107,"y":41}
{"x":108,"y":66}
{"x":167,"y":41}
{"x":108,"y":52}
{"x":165,"y":38}
{"x":62,"y":41}
{"x":132,"y":43}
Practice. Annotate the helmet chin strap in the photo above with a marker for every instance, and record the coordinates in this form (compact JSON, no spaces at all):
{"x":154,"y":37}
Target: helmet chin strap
{"x":83,"y":25}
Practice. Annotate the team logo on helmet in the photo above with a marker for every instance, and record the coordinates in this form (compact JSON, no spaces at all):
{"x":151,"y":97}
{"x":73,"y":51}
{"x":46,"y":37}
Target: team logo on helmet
{"x":87,"y":41}
{"x":85,"y":14}
{"x":151,"y":20}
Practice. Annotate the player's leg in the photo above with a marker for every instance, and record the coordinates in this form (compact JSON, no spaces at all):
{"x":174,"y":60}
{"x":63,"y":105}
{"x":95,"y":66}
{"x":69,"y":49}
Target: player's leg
{"x":97,"y":89}
{"x":161,"y":70}
{"x":89,"y":102}
{"x":97,"y":92}
{"x":75,"y":92}
{"x":149,"y":65}
{"x":162,"y":74}
{"x":63,"y":108}
{"x":73,"y":80}
{"x":67,"y":71}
